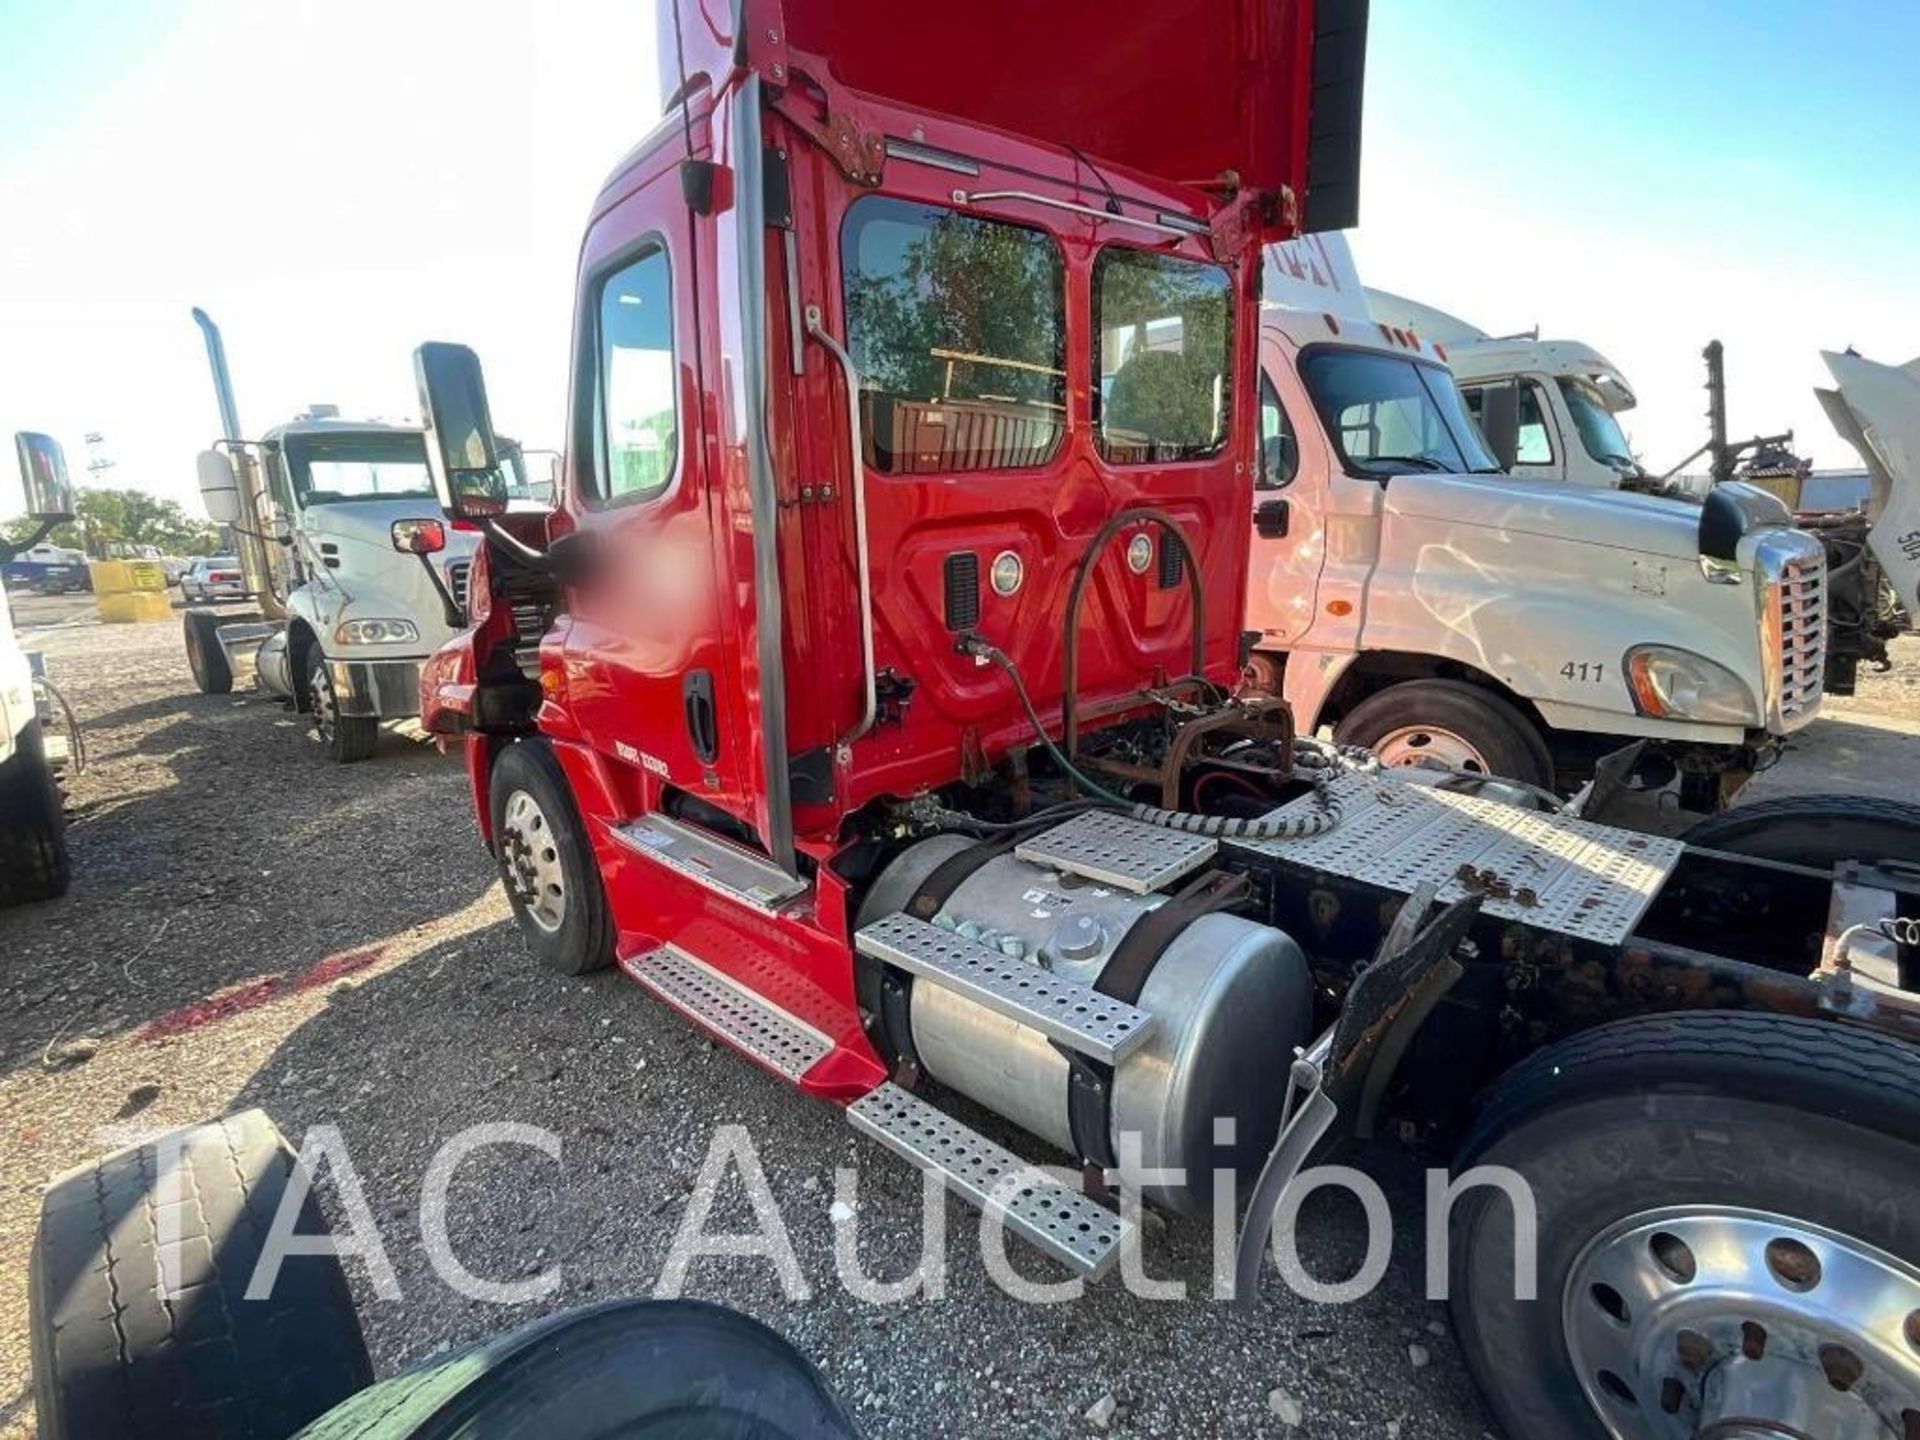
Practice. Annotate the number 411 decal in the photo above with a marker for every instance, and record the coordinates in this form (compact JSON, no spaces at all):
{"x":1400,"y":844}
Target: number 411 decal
{"x":1593,"y":672}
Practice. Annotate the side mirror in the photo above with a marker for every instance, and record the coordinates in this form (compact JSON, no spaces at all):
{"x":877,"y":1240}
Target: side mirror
{"x":1500,"y":421}
{"x":419,"y":537}
{"x":462,"y":452}
{"x":43,"y":474}
{"x":219,"y":490}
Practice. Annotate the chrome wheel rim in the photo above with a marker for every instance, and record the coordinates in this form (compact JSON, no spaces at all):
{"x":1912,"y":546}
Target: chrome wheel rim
{"x":530,"y":860}
{"x":326,"y":710}
{"x":1415,"y":744}
{"x":1719,"y":1324}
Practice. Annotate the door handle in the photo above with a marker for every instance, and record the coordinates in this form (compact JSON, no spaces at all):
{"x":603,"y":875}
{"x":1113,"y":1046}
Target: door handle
{"x":1270,"y":519}
{"x":703,"y":726}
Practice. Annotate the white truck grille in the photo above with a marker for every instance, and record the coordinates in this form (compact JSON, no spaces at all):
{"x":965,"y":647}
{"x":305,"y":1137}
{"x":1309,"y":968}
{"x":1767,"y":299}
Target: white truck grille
{"x":1795,"y":575}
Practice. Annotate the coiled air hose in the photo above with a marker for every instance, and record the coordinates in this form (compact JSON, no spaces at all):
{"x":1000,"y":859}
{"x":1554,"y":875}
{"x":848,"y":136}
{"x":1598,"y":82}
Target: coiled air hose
{"x":1327,"y":760}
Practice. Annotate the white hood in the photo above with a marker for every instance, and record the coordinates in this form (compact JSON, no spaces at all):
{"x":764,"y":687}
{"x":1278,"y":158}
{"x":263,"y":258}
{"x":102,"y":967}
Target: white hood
{"x":1877,"y":410}
{"x":1649,"y":524}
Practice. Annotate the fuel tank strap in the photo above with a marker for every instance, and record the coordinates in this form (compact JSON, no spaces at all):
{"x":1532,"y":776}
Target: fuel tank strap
{"x":1089,"y":1082}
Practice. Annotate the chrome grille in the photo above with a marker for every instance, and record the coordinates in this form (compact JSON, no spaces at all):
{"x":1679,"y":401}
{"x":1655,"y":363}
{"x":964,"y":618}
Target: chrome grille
{"x":457,"y":574}
{"x":1797,"y":579}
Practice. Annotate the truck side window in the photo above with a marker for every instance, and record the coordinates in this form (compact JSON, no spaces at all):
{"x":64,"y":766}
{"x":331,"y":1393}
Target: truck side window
{"x":637,"y":440}
{"x":958,"y":328}
{"x":1535,"y":440}
{"x":1279,"y":447}
{"x":1163,"y":373}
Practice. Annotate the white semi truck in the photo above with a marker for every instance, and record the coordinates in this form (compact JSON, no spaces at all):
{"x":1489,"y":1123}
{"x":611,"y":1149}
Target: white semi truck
{"x":33,"y":827}
{"x":1412,"y":595}
{"x":1566,"y":427}
{"x":357,"y":572}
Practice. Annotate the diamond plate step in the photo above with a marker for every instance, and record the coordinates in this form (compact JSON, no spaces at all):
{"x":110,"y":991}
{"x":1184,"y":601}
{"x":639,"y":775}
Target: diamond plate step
{"x":1120,"y":851}
{"x":1078,"y":1016}
{"x":740,"y":874}
{"x":1552,"y":871}
{"x":772,"y":1036}
{"x":1061,"y":1222}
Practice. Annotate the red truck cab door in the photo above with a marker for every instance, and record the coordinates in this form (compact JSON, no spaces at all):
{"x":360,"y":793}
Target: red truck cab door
{"x":644,"y":654}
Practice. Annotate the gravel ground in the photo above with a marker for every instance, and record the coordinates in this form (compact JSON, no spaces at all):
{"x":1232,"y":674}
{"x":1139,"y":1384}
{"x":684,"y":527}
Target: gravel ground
{"x":252,"y":926}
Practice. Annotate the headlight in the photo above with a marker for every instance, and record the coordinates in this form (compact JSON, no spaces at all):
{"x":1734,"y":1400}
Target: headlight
{"x":1671,"y":684}
{"x":374,"y":632}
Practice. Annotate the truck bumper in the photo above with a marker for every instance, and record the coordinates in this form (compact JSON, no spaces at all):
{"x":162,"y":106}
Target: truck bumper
{"x":383,"y":688}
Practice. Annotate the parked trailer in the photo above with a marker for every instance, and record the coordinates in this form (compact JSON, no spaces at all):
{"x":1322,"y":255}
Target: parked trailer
{"x":346,"y":553}
{"x":33,"y":826}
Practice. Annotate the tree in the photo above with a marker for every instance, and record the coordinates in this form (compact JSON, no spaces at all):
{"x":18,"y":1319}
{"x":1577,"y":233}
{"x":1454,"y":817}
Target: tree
{"x":126,"y":517}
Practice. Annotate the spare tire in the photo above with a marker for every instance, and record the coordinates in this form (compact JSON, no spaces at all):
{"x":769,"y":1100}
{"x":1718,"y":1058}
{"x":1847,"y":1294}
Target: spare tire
{"x":636,"y":1369}
{"x":1818,"y":831}
{"x":115,"y":1356}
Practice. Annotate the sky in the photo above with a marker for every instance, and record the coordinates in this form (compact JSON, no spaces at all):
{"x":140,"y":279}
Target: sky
{"x":336,"y":181}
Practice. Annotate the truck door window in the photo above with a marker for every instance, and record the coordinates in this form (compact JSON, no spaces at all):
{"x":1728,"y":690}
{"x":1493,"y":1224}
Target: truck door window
{"x":1533,"y":441}
{"x":1163,"y":373}
{"x":1279,"y":448}
{"x":957,"y":326}
{"x":637,"y":441}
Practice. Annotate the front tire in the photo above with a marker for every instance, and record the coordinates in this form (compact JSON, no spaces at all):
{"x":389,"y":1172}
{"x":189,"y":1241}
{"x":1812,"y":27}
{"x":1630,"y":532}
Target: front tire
{"x":348,"y":739}
{"x":33,"y":825}
{"x":546,"y":861}
{"x":1706,"y":1186}
{"x":1462,"y":726}
{"x":1818,"y":831}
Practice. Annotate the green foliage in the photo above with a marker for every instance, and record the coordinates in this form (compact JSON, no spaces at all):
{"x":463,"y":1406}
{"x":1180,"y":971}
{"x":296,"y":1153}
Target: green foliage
{"x":126,"y":517}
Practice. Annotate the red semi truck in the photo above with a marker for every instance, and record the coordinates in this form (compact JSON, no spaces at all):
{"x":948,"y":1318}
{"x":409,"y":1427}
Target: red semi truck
{"x":869,"y":697}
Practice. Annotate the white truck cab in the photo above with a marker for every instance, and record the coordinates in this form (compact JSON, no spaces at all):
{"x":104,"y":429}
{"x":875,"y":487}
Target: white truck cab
{"x":33,"y":842}
{"x":1418,"y":600}
{"x":358,"y":573}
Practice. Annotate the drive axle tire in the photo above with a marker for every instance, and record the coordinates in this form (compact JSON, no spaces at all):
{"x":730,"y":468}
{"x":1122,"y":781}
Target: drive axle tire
{"x":547,"y":862}
{"x":205,"y":658}
{"x":1459,"y":724}
{"x":1818,"y":831}
{"x":634,"y":1369}
{"x":112,"y":1359}
{"x":1705,"y":1184}
{"x":33,"y":825}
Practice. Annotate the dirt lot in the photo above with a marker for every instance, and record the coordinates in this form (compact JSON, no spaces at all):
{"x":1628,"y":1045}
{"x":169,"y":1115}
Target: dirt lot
{"x":252,"y":926}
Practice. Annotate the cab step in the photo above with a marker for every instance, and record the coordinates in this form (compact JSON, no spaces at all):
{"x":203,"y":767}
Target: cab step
{"x":1077,"y":1016}
{"x":778,"y":1040}
{"x":717,"y":864}
{"x":1120,"y":851}
{"x":1059,"y":1221}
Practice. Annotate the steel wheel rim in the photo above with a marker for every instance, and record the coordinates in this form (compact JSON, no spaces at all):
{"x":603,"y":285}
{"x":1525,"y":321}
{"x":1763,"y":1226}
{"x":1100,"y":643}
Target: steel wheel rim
{"x":1416,"y":744}
{"x":326,"y":710}
{"x":1705,"y":1323}
{"x":530,"y":860}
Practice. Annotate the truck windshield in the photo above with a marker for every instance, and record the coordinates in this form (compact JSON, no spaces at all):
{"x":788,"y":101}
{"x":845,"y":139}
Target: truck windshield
{"x":1391,"y":415}
{"x":1599,"y":431}
{"x":957,"y":326}
{"x":339,"y":469}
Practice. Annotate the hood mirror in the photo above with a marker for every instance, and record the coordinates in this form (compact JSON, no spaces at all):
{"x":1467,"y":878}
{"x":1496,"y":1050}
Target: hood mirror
{"x":419,"y":537}
{"x":462,"y":451}
{"x":43,"y":474}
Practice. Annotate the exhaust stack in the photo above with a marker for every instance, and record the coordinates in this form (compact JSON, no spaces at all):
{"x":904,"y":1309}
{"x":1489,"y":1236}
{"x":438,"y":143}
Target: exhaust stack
{"x":222,"y":381}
